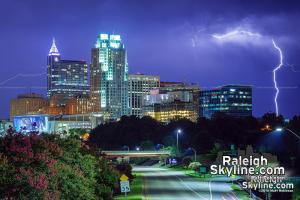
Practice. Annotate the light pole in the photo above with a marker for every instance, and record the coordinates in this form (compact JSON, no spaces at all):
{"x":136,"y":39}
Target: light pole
{"x":177,"y":133}
{"x":280,"y":129}
{"x":195,"y":153}
{"x":289,"y":130}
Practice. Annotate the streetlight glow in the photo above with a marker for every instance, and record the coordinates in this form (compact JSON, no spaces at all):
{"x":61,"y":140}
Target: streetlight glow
{"x":178,"y":132}
{"x":278,"y":129}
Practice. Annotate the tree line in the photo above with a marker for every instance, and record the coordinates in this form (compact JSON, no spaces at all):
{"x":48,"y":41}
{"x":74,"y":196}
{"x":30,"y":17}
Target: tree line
{"x":205,"y":135}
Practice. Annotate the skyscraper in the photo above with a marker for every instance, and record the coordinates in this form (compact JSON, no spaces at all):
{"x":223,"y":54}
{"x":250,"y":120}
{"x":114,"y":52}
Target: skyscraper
{"x":65,"y":78}
{"x":139,"y":86}
{"x":109,"y":76}
{"x":234,"y":100}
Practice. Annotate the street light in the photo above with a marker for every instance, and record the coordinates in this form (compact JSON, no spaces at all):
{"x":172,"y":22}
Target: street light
{"x":179,"y":131}
{"x":195,"y":153}
{"x":289,"y":130}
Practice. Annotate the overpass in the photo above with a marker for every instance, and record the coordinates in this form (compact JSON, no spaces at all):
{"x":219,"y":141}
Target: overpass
{"x":136,"y":154}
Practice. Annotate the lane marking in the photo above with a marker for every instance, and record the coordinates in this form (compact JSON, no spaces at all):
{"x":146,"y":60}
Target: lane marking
{"x":190,"y":188}
{"x":236,"y":197}
{"x":231,"y":196}
{"x":145,"y":196}
{"x":223,"y":198}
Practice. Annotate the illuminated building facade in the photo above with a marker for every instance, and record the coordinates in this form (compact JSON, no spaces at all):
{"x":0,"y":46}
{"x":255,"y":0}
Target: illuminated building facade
{"x":4,"y":126}
{"x":172,"y":101}
{"x":27,"y":104}
{"x":139,"y":86}
{"x":78,"y":105}
{"x":65,"y":78}
{"x":57,"y":123}
{"x":109,"y":76}
{"x":234,"y":100}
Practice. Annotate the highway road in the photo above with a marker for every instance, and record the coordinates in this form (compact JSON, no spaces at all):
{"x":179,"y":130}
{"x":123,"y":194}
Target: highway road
{"x":165,"y":184}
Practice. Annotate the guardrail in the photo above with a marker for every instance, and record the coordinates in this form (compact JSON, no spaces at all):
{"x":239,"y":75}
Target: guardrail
{"x":136,"y":153}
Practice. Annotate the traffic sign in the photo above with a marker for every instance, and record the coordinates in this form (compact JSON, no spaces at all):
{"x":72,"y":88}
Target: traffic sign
{"x":124,"y":185}
{"x":124,"y":178}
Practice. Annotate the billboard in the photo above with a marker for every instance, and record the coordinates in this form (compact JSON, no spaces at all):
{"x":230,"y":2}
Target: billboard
{"x":31,"y":123}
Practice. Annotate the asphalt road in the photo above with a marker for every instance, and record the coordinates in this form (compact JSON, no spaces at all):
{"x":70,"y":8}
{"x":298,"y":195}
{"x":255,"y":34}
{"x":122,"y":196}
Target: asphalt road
{"x":165,"y":184}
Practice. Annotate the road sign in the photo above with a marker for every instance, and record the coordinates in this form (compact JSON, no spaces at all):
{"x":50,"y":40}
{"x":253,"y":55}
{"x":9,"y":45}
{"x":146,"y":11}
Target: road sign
{"x":202,"y":170}
{"x":124,"y":185}
{"x":124,"y":178}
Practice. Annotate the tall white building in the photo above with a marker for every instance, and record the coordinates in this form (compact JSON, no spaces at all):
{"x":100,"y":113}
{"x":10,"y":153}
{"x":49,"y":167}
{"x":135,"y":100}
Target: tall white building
{"x":139,"y":86}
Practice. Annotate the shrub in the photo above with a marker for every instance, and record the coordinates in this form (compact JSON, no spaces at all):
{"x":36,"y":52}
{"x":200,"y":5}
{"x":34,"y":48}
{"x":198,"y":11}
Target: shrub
{"x":49,"y":167}
{"x":194,"y":165}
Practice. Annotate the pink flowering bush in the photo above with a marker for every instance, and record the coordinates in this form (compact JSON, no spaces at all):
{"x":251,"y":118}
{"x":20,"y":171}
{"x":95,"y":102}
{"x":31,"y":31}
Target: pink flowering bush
{"x":48,"y":167}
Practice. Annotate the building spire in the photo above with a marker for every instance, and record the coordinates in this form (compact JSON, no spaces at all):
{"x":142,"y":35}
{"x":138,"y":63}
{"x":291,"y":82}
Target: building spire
{"x":53,"y":51}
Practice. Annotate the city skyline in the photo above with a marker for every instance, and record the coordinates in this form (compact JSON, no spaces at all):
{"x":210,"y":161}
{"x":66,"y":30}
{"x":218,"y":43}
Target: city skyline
{"x":177,"y":45}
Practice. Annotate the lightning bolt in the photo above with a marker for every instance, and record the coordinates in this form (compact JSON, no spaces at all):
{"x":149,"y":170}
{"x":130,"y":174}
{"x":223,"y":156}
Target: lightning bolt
{"x":20,"y":75}
{"x":274,"y":75}
{"x":235,"y":34}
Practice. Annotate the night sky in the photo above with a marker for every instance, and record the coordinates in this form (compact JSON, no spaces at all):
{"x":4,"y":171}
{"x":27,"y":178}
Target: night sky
{"x":170,"y":38}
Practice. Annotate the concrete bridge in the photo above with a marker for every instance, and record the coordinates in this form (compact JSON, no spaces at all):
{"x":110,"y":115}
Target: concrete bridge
{"x":136,"y":154}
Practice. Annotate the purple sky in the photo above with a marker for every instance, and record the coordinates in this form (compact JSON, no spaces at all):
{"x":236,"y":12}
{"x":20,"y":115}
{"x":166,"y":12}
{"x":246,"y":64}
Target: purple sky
{"x":170,"y":38}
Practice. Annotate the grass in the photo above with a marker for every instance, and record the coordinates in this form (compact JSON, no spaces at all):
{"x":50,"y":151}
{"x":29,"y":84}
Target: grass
{"x":136,"y":189}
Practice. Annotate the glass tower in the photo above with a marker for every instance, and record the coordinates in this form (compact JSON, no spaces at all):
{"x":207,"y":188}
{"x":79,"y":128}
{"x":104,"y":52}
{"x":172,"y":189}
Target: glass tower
{"x":65,"y":78}
{"x":109,"y":64}
{"x":233,"y":100}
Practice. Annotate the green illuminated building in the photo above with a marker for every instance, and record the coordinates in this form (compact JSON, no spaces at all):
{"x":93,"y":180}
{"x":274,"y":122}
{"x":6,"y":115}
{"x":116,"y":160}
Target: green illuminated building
{"x":109,"y":76}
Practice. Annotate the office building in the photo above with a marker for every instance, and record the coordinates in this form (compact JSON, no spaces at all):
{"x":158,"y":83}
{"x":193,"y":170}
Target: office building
{"x":74,"y":106}
{"x":139,"y":86}
{"x":109,"y":76}
{"x":172,"y":101}
{"x":65,"y":78}
{"x":191,"y":89}
{"x":26,"y":104}
{"x":78,"y":105}
{"x":233,"y":100}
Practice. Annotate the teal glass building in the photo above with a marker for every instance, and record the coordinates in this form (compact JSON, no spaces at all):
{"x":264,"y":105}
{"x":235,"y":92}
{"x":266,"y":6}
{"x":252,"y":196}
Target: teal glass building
{"x":109,"y":76}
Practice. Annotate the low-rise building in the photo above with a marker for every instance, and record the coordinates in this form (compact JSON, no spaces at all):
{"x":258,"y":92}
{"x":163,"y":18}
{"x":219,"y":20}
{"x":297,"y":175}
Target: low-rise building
{"x":58,"y":123}
{"x":172,"y":101}
{"x":25,"y":104}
